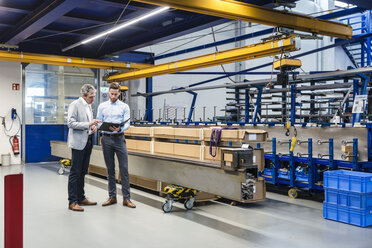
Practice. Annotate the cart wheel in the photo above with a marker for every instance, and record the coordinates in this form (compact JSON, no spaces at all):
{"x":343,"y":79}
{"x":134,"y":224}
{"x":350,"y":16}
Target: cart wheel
{"x":61,"y":170}
{"x":189,"y":203}
{"x":292,"y":193}
{"x":167,"y":206}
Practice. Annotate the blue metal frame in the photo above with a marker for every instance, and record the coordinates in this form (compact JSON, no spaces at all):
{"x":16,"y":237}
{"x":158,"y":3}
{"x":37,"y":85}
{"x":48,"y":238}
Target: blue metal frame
{"x":195,"y":95}
{"x":276,"y":164}
{"x":361,"y":25}
{"x":293,"y":104}
{"x":149,"y":112}
{"x":312,"y":168}
{"x":332,"y":164}
{"x":258,"y":103}
{"x":246,"y":114}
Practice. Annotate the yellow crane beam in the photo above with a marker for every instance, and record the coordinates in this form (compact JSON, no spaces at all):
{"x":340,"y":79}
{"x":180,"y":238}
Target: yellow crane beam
{"x":235,"y":10}
{"x":266,"y":48}
{"x":67,"y":61}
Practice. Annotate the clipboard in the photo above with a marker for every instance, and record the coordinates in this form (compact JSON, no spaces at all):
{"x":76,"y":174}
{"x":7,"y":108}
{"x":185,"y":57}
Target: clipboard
{"x":106,"y":125}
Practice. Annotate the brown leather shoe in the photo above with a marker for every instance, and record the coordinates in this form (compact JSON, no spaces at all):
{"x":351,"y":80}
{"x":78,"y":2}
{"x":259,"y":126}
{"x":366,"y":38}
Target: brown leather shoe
{"x":128,"y":203}
{"x":86,"y":202}
{"x":109,"y":202}
{"x":75,"y":207}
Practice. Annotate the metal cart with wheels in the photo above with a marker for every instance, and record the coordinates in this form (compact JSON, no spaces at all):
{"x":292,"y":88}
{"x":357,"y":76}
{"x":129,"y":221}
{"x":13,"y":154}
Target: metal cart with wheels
{"x":176,"y":193}
{"x":65,"y":163}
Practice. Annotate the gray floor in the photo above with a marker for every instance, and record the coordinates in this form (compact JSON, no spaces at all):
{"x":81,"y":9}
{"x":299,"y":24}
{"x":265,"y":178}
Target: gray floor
{"x":276,"y":222}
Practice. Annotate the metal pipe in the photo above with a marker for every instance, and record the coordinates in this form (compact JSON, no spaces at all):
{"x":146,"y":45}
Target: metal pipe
{"x":323,"y":155}
{"x":299,"y":142}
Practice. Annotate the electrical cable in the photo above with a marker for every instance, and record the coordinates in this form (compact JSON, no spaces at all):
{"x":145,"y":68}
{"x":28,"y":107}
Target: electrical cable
{"x":11,"y":126}
{"x":223,"y":68}
{"x":117,"y":20}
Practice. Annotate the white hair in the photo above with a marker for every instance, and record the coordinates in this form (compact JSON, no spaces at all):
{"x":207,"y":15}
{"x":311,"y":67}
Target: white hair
{"x":86,"y":89}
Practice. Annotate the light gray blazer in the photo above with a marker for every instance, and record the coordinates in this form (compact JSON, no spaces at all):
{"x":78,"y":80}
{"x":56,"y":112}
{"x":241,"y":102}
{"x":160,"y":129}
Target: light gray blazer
{"x":78,"y":124}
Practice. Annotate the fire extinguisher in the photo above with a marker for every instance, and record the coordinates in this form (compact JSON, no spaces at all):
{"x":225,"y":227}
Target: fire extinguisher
{"x":14,"y":142}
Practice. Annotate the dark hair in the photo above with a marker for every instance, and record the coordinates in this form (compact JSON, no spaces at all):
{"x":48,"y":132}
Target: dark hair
{"x":114,"y":86}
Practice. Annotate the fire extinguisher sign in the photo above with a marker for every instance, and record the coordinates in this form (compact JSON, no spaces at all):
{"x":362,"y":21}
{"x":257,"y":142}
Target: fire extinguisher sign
{"x":15,"y":86}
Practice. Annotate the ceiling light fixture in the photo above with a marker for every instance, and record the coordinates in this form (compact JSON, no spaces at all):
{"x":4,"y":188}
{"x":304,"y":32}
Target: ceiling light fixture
{"x":114,"y":29}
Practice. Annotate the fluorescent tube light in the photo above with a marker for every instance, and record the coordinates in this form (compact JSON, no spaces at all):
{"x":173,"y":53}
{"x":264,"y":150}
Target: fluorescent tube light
{"x":114,"y":29}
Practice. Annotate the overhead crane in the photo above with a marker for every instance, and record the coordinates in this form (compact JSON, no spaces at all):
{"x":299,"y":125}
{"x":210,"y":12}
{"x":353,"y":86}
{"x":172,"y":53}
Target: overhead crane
{"x":68,"y":61}
{"x":252,"y":13}
{"x":262,"y":49}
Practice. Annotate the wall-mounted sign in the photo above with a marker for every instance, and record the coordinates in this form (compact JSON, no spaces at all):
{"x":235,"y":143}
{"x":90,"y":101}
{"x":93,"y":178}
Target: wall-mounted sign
{"x":15,"y":86}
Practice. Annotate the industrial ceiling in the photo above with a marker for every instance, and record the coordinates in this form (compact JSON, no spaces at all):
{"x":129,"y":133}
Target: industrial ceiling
{"x":48,"y":26}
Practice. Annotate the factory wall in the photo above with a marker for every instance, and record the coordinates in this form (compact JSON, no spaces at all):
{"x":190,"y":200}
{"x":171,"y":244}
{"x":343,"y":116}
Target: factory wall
{"x":10,"y":72}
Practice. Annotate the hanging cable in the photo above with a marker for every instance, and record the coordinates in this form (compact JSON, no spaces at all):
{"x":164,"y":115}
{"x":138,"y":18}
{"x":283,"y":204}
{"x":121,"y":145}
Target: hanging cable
{"x":223,"y":68}
{"x":117,"y":20}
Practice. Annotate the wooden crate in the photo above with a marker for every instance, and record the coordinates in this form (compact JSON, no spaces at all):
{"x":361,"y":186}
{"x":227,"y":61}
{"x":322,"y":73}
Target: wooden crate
{"x":207,"y":155}
{"x":138,"y":145}
{"x":138,"y":131}
{"x":186,"y":150}
{"x":177,"y":149}
{"x":97,"y":170}
{"x":163,"y":148}
{"x":163,"y":132}
{"x":238,"y":135}
{"x":145,"y":182}
{"x":188,"y":133}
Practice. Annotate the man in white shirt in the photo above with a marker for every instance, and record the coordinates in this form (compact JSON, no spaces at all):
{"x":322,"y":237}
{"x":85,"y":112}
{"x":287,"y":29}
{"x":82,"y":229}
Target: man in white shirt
{"x":81,"y":126}
{"x":113,"y":142}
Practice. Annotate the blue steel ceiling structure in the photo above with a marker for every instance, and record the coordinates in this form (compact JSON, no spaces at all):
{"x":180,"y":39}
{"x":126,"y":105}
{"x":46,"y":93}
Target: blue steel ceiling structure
{"x":365,"y":4}
{"x":49,"y":26}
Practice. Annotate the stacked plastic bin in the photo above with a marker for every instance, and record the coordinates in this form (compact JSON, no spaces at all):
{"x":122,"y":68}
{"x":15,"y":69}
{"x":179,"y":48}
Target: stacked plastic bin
{"x":348,"y":197}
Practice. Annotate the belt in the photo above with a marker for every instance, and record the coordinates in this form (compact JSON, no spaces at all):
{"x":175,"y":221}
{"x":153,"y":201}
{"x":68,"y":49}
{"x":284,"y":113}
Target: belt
{"x":113,"y":134}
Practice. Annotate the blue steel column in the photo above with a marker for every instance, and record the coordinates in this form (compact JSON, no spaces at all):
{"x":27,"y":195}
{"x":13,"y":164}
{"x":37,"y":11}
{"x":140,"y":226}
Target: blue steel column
{"x":276,"y":164}
{"x":246,"y":118}
{"x":293,"y":104}
{"x":355,"y":155}
{"x":195,"y":95}
{"x":292,"y":169}
{"x":149,"y":116}
{"x":369,"y":147}
{"x":258,"y":103}
{"x":362,"y":42}
{"x":368,"y":40}
{"x":312,"y":167}
{"x":332,"y":164}
{"x":355,"y":92}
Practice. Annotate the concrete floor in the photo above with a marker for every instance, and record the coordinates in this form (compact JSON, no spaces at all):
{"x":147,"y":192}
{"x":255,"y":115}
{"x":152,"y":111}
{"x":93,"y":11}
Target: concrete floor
{"x":276,"y":222}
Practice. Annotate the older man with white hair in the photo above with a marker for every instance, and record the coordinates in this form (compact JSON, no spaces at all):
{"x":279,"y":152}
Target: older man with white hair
{"x":81,"y":126}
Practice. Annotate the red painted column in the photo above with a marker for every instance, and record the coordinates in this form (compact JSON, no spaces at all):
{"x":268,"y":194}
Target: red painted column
{"x":13,"y":211}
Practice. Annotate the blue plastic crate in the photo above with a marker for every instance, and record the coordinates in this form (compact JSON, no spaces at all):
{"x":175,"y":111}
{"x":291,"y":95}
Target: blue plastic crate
{"x":353,"y":216}
{"x":348,"y":199}
{"x":302,"y":177}
{"x":285,"y":175}
{"x":354,"y":181}
{"x":268,"y":172}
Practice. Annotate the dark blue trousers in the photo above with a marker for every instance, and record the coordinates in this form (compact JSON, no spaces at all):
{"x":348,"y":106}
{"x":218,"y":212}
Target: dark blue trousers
{"x":79,"y":168}
{"x":110,"y":147}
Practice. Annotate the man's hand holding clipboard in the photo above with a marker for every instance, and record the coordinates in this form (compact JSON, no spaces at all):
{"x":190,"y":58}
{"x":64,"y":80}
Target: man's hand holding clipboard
{"x":112,"y":127}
